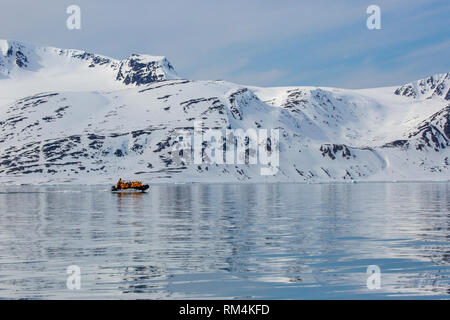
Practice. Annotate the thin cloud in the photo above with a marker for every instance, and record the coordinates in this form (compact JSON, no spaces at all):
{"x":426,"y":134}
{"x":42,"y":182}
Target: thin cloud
{"x":263,"y":78}
{"x":290,"y":42}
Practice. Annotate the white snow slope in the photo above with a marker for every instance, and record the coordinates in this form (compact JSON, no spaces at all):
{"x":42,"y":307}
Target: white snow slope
{"x":72,"y":116}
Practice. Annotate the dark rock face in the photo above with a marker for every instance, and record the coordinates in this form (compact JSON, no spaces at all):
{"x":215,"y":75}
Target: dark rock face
{"x":432,"y":133}
{"x":407,"y":91}
{"x":21,"y":59}
{"x":15,"y":55}
{"x":331,"y":150}
{"x":429,"y":87}
{"x":446,"y":126}
{"x":95,"y":60}
{"x":137,"y":71}
{"x":213,"y":104}
{"x":447,"y":97}
{"x":295,"y":101}
{"x":431,"y":137}
{"x":395,"y":144}
{"x":239,"y":100}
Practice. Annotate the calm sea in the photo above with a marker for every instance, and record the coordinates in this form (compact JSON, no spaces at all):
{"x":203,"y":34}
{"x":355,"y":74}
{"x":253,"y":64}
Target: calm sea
{"x":213,"y":241}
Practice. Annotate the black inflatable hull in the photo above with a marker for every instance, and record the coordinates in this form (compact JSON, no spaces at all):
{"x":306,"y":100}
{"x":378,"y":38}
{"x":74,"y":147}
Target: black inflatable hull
{"x":141,"y":189}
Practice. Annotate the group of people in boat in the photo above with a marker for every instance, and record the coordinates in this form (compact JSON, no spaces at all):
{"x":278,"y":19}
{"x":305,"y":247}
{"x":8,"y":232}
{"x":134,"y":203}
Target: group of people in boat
{"x":128,"y":184}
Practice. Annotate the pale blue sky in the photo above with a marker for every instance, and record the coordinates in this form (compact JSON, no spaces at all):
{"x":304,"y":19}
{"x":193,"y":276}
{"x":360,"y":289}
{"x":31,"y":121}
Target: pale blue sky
{"x":258,"y":42}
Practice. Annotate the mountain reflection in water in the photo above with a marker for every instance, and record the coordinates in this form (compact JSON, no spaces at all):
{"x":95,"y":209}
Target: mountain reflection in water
{"x":265,"y":241}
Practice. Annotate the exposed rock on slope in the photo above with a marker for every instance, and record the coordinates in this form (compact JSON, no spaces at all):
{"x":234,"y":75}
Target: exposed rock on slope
{"x":95,"y":118}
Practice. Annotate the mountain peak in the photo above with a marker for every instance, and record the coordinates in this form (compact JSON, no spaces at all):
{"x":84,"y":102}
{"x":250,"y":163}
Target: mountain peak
{"x":434,"y":86}
{"x":138,"y":69}
{"x":141,"y":69}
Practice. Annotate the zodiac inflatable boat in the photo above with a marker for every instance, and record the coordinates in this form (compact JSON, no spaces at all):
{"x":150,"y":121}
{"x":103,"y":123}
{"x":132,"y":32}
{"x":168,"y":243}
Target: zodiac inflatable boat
{"x":129,"y":186}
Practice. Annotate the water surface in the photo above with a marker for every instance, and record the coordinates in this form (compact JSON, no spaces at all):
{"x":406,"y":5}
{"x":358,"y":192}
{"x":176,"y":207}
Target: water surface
{"x":208,"y":241}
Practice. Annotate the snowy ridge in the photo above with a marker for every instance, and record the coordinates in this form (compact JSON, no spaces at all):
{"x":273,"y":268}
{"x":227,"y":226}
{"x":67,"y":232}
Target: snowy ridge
{"x":72,"y":116}
{"x":434,"y":86}
{"x":17,"y":57}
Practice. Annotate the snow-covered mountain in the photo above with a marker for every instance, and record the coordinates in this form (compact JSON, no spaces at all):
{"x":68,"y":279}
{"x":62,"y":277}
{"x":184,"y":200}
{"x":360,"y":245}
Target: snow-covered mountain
{"x":73,"y":116}
{"x":37,"y":69}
